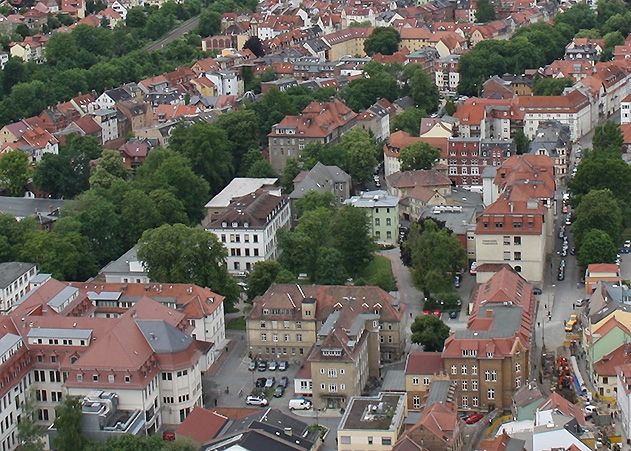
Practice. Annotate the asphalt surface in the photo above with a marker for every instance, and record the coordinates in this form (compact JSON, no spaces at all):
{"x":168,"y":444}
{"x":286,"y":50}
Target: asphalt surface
{"x":174,"y":34}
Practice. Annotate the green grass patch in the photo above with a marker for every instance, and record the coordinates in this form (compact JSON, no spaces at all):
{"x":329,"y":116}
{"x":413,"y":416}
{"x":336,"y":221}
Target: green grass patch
{"x":379,"y":272}
{"x":236,"y":324}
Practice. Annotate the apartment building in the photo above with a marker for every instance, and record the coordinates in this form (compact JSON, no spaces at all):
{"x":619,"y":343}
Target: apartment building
{"x":553,"y":140}
{"x":322,"y":179}
{"x":421,"y":369}
{"x":438,"y":429}
{"x":490,"y":359}
{"x":15,"y":278}
{"x":349,"y":41}
{"x":372,"y":423}
{"x":319,"y":122}
{"x":248,"y":228}
{"x":286,"y":319}
{"x":54,"y":346}
{"x":468,"y":157}
{"x":343,"y":358}
{"x":447,"y":74}
{"x":382,"y":211}
{"x":623,"y":396}
{"x":516,"y":227}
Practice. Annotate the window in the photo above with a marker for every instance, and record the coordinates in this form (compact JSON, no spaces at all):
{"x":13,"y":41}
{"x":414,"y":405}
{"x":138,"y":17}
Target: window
{"x":517,"y":367}
{"x":332,"y":388}
{"x":416,"y":402}
{"x":55,"y":396}
{"x":127,"y":379}
{"x":332,"y":372}
{"x":167,"y":376}
{"x":490,"y":394}
{"x":517,"y":256}
{"x":286,"y":337}
{"x":415,"y":380}
{"x":388,"y":221}
{"x":474,"y":370}
{"x":463,"y":369}
{"x":506,"y":240}
{"x":465,"y":402}
{"x":386,"y":441}
{"x":110,"y":378}
{"x":345,"y":440}
{"x":454,"y":369}
{"x":474,"y":401}
{"x":95,"y":378}
{"x":506,"y":255}
{"x":426,"y":381}
{"x":518,"y":382}
{"x":274,"y":338}
{"x":42,"y":414}
{"x":377,"y":221}
{"x":474,"y":384}
{"x":465,"y":385}
{"x":263,"y":337}
{"x":489,"y":355}
{"x":298,"y":337}
{"x":517,"y":241}
{"x":370,"y":440}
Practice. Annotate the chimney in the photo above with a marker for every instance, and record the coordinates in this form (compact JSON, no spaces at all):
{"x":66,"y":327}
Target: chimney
{"x":489,"y":313}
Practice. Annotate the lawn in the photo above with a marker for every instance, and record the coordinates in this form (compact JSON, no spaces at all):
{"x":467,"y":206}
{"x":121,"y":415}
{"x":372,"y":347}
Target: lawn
{"x":379,"y":272}
{"x":236,"y":324}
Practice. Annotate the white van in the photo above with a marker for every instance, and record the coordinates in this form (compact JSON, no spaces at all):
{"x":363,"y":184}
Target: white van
{"x":299,"y":404}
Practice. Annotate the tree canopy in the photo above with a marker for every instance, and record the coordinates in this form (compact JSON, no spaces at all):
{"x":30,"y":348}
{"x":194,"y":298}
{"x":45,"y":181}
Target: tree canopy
{"x":408,"y":121}
{"x":430,"y":332}
{"x":596,"y":247}
{"x":550,"y":86}
{"x":181,"y":254}
{"x":14,"y":172}
{"x":598,"y":210}
{"x":608,"y":137}
{"x":485,"y":12}
{"x":384,"y":40}
{"x":418,"y":156}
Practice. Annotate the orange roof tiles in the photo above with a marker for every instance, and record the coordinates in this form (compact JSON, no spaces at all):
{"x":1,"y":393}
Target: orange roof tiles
{"x":424,"y":363}
{"x":201,"y":425}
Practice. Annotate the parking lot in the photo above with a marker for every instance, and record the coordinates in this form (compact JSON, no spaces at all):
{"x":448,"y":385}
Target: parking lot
{"x":234,"y":381}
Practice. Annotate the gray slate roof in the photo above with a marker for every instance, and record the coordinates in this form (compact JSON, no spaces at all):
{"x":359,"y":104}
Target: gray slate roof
{"x":162,"y":337}
{"x":10,"y":271}
{"x":24,"y":207}
{"x":320,"y":178}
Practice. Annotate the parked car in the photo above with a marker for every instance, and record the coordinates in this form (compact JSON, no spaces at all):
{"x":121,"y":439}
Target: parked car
{"x":474,"y":268}
{"x":252,"y":365}
{"x":260,"y":382}
{"x":256,"y":401}
{"x":457,"y":282}
{"x":272,"y":365}
{"x":299,"y":404}
{"x":572,"y":251}
{"x":453,"y":314}
{"x":473,"y":418}
{"x":581,"y":302}
{"x":279,"y":392}
{"x":589,"y":410}
{"x":283,"y":365}
{"x":269,"y":383}
{"x":262,"y":365}
{"x":284,"y":382}
{"x":627,"y":244}
{"x":536,"y":291}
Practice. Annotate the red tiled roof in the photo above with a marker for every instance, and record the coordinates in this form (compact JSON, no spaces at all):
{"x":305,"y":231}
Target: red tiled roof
{"x":424,"y":363}
{"x":201,"y":425}
{"x":603,"y":267}
{"x":607,"y":365}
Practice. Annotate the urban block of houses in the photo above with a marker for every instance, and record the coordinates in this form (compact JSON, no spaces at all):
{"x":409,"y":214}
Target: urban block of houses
{"x":338,"y":334}
{"x":319,"y":122}
{"x":490,"y":359}
{"x":15,"y":278}
{"x":78,"y":339}
{"x":382,"y":211}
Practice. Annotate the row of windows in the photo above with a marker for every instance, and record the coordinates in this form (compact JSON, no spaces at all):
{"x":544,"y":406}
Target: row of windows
{"x":283,"y":351}
{"x":274,"y":324}
{"x":333,"y":387}
{"x":416,"y":380}
{"x":236,"y":252}
{"x":331,"y":372}
{"x":286,"y":337}
{"x":378,"y":221}
{"x":385,"y":441}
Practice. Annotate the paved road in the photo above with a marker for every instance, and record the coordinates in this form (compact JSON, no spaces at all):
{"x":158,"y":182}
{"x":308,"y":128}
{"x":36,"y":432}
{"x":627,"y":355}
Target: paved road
{"x":174,"y":34}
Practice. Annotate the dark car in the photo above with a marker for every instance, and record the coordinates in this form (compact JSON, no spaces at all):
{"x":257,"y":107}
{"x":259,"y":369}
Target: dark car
{"x":260,"y":382}
{"x":536,"y":291}
{"x":453,"y":314}
{"x":279,"y":392}
{"x":573,"y":251}
{"x":262,"y":365}
{"x":561,"y":275}
{"x":283,"y":382}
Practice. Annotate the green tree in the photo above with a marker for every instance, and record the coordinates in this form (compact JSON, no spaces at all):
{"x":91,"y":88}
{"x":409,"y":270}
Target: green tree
{"x":422,"y":88}
{"x":384,"y":40}
{"x":450,"y":107}
{"x":140,"y":213}
{"x":112,"y":163}
{"x":170,"y":209}
{"x":330,"y":267}
{"x":597,"y":247}
{"x":430,"y":332}
{"x":314,"y":200}
{"x":165,"y":169}
{"x":262,"y":276}
{"x":550,"y":86}
{"x":242,"y":130}
{"x":608,"y":137}
{"x":68,"y":424}
{"x":352,"y":238}
{"x":408,"y":121}
{"x":485,"y":12}
{"x":129,"y":442}
{"x":261,"y":168}
{"x":361,"y":151}
{"x":208,"y":149}
{"x":14,"y":172}
{"x":522,"y":143}
{"x":30,"y":434}
{"x":181,"y":254}
{"x":598,"y":209}
{"x":209,"y":23}
{"x":434,"y":253}
{"x":601,"y":170}
{"x":361,"y":93}
{"x":292,"y":169}
{"x":68,"y":173}
{"x":418,"y":156}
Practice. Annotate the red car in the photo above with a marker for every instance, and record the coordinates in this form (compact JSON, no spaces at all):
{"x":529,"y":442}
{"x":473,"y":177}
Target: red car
{"x":473,"y":418}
